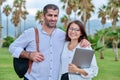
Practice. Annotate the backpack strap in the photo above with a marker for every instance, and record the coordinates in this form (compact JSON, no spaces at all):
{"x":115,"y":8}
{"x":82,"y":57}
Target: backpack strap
{"x":37,"y":47}
{"x":37,"y":39}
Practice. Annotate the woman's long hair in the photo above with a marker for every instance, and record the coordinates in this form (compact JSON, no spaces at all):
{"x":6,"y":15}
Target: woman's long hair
{"x":82,"y":30}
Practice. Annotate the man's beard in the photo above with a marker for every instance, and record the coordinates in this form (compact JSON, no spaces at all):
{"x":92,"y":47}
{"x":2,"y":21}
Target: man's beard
{"x":50,"y":26}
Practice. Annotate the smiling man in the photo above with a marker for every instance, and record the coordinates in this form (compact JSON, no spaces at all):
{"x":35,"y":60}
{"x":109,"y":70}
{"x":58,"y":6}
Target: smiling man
{"x":46,"y":62}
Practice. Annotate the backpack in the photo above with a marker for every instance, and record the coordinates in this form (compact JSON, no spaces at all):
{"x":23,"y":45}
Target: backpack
{"x":22,"y":65}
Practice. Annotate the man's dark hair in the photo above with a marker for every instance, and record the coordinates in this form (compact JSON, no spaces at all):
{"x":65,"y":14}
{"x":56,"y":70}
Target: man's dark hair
{"x":50,"y":6}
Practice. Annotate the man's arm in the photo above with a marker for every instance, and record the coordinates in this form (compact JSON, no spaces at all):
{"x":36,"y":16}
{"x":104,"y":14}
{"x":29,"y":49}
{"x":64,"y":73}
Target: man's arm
{"x":34,"y":56}
{"x":25,"y":54}
{"x":85,"y":43}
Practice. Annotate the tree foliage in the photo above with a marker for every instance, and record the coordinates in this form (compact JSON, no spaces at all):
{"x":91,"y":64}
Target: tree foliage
{"x":7,"y":41}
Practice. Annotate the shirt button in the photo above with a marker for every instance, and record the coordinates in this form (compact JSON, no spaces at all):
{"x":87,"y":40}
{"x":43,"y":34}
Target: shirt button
{"x":49,"y":75}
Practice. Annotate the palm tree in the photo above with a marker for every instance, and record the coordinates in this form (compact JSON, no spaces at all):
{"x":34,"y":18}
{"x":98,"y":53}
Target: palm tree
{"x":102,"y":14}
{"x":65,"y":20}
{"x":83,"y":4}
{"x":114,"y":36}
{"x":82,"y":8}
{"x":69,"y":6}
{"x":6,"y":10}
{"x":18,"y":6}
{"x":86,"y":7}
{"x":24,"y":14}
{"x":113,"y":11}
{"x":113,"y":14}
{"x":15,"y":20}
{"x":39,"y":16}
{"x":1,"y":2}
{"x":88,"y":15}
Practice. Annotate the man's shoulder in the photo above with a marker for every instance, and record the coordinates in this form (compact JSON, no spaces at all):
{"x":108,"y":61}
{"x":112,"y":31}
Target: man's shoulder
{"x":29,"y":29}
{"x":60,"y":31}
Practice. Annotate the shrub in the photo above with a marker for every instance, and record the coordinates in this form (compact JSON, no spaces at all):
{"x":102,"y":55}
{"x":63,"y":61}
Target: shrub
{"x":7,"y":41}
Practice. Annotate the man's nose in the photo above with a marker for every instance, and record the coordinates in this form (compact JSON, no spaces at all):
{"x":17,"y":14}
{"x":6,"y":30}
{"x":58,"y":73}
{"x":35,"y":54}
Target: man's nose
{"x":53,"y":17}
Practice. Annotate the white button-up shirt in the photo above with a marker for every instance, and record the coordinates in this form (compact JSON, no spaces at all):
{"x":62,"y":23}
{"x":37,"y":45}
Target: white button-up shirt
{"x":66,"y":59}
{"x":50,"y":46}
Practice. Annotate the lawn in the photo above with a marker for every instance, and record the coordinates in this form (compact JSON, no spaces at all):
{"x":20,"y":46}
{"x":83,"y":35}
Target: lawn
{"x":108,"y":68}
{"x":6,"y":66}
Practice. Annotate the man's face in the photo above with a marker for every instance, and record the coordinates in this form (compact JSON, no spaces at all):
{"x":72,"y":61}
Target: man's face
{"x":51,"y":17}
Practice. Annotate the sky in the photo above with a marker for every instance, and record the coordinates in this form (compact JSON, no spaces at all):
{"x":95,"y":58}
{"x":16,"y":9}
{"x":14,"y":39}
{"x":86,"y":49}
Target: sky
{"x":34,"y":5}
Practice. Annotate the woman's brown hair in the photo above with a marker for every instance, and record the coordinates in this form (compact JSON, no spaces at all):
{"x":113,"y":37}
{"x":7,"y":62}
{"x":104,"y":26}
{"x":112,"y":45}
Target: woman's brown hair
{"x":82,"y":30}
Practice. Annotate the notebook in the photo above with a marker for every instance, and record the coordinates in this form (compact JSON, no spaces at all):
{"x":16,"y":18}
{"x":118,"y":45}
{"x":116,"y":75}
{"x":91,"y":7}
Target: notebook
{"x":82,"y":58}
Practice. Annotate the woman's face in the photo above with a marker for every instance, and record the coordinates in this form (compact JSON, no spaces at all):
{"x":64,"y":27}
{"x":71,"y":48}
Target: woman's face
{"x":74,"y":31}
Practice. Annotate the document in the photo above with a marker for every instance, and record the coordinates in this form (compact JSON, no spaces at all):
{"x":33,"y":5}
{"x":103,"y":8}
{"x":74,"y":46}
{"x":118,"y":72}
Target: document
{"x":83,"y":57}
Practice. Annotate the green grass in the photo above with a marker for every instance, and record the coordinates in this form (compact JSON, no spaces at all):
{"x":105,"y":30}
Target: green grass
{"x":108,"y":68}
{"x":6,"y":66}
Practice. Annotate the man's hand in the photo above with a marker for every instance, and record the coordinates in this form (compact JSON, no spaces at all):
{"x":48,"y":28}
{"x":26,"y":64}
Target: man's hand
{"x":85,"y":43}
{"x":36,"y":56}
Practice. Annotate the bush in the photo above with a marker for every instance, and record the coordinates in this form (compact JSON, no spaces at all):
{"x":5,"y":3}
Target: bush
{"x":7,"y":41}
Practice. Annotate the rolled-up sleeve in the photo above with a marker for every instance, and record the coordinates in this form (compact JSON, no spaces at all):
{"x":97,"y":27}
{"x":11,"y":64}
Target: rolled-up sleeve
{"x":19,"y":44}
{"x":93,"y":70}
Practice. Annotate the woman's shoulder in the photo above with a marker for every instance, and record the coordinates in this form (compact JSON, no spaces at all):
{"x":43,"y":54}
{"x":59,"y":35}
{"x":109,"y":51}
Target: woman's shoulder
{"x":66,"y":45}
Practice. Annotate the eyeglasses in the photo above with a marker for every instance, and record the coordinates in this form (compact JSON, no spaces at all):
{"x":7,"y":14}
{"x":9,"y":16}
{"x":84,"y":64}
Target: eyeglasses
{"x":75,"y":29}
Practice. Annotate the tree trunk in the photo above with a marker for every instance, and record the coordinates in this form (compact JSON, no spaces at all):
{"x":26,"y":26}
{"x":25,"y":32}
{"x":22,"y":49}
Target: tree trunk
{"x":88,"y":27}
{"x":15,"y":32}
{"x":116,"y":54}
{"x":7,"y":26}
{"x":101,"y":54}
{"x":84,"y":18}
{"x":115,"y":49}
{"x":0,"y":28}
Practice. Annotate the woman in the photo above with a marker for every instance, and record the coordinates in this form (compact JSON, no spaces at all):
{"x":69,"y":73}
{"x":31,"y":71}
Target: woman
{"x":74,"y":34}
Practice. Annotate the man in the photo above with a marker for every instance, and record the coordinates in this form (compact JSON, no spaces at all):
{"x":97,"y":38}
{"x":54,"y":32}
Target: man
{"x":46,"y":62}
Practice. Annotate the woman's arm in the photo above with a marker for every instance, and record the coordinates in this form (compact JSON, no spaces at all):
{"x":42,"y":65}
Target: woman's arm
{"x":74,"y":69}
{"x":90,"y":72}
{"x":86,"y":72}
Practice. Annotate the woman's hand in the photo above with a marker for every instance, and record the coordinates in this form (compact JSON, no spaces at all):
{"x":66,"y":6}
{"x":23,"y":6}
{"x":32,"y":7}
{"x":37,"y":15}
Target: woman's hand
{"x":72,"y":68}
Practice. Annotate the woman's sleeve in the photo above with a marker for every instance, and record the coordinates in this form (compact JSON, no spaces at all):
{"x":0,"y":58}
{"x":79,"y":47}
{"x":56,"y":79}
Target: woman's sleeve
{"x":93,"y":70}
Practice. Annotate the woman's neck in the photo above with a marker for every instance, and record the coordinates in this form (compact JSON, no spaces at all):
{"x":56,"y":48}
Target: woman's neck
{"x":72,"y":44}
